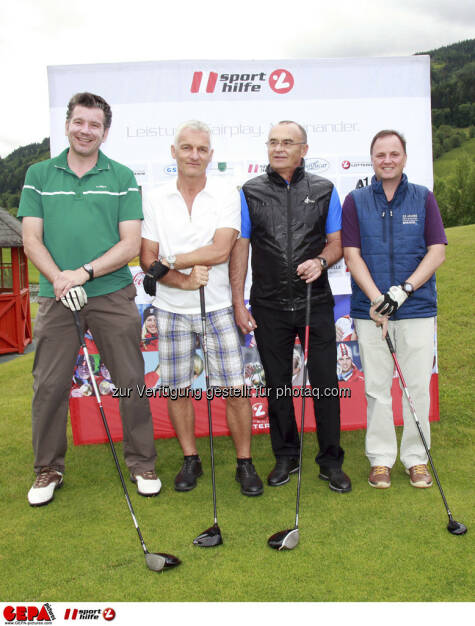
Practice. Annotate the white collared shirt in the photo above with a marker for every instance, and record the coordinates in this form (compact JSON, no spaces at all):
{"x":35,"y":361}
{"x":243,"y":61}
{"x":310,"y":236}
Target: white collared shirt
{"x":167,"y":221}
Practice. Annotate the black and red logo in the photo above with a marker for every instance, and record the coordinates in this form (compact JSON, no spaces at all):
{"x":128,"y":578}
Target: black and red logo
{"x":79,"y":614}
{"x":28,"y":614}
{"x":205,"y":82}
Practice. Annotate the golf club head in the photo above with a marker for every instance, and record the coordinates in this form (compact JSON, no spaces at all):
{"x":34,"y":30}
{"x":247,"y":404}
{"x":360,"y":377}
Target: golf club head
{"x":158,"y":561}
{"x":456,"y":528}
{"x":209,"y":538}
{"x":284,"y":539}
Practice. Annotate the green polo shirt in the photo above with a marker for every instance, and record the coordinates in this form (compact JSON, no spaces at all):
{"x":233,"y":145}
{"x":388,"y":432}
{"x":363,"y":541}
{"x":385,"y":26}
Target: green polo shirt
{"x":81,"y":216}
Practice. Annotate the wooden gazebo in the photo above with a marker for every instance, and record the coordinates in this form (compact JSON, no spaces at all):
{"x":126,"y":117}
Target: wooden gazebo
{"x":15,"y":318}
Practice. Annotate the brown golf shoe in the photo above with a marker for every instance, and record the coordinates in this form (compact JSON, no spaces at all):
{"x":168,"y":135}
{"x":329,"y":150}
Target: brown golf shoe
{"x":419,"y":476}
{"x":380,"y":477}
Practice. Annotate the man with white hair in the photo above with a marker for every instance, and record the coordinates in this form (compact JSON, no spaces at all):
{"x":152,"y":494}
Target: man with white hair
{"x":190,"y":227}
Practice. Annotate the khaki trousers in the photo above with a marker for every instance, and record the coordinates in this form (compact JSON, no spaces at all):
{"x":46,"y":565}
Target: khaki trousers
{"x":413,"y":340}
{"x":115,"y":324}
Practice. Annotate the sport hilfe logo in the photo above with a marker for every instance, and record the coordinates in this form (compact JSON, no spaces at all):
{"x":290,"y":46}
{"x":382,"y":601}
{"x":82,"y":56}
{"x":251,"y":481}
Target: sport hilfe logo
{"x":280,"y":81}
{"x":89,"y":614}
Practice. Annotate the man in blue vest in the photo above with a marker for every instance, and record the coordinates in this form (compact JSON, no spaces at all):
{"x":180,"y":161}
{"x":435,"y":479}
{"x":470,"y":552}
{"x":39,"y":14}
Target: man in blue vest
{"x":394,"y":240}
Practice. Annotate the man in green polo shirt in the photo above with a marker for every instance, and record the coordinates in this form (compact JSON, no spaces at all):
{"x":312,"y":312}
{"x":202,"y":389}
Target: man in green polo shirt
{"x":81,"y":215}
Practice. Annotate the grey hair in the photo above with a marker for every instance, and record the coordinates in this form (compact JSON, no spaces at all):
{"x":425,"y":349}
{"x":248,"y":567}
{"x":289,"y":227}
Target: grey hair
{"x":194,"y":125}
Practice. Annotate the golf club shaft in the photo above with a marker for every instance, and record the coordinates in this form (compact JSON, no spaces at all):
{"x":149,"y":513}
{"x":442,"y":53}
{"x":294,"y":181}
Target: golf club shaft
{"x":304,"y":382}
{"x":413,"y":411}
{"x":210,"y":421}
{"x":106,"y":426}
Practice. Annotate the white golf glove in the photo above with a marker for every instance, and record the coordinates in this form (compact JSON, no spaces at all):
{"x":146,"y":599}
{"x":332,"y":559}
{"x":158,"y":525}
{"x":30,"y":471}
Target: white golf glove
{"x":75,"y":299}
{"x":391,"y":301}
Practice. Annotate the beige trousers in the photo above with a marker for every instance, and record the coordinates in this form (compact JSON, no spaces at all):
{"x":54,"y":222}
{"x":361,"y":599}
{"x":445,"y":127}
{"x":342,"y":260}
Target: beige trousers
{"x":413,"y":340}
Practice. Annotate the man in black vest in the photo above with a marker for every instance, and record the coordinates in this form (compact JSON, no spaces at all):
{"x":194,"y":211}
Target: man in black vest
{"x":293,"y":221}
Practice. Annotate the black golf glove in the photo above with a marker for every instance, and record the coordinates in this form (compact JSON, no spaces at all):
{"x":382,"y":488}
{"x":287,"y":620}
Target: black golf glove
{"x":156,"y":271}
{"x":393,"y":299}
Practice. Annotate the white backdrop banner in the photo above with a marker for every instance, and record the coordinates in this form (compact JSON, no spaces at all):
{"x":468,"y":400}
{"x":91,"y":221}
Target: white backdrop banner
{"x":342,"y":103}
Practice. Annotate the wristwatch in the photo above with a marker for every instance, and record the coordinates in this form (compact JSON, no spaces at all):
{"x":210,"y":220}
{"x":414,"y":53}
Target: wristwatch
{"x":89,"y":269}
{"x":171,"y":260}
{"x":407,"y":288}
{"x":323,"y":262}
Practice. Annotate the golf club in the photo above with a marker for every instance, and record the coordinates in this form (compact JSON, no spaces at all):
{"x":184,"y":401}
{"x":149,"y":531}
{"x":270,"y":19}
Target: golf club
{"x":211,"y":536}
{"x":156,"y":561}
{"x":454,"y":527}
{"x":288,"y":539}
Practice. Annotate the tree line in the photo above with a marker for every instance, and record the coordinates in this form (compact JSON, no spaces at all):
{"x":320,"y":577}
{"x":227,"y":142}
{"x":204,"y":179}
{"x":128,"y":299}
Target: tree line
{"x":452,"y":69}
{"x":13,"y":169}
{"x":453,"y":125}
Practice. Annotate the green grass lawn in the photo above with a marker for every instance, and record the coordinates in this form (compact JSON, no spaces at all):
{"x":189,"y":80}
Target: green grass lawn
{"x":369,"y":545}
{"x":445,"y":165}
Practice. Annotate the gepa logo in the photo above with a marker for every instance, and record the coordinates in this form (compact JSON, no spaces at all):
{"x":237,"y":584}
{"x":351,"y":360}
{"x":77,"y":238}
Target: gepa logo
{"x":28,"y":614}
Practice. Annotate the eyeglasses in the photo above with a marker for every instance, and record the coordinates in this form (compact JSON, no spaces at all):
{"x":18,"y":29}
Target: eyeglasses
{"x":285,"y":143}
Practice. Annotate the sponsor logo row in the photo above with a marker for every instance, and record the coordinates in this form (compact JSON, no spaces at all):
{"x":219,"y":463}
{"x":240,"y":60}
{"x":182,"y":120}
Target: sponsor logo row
{"x":315,"y":165}
{"x":42,"y":614}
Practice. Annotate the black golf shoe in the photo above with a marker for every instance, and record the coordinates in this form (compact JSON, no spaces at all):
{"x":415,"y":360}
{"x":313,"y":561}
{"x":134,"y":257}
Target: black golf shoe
{"x":191,"y":469}
{"x":337,"y":479}
{"x":247,"y":477}
{"x":284,"y":466}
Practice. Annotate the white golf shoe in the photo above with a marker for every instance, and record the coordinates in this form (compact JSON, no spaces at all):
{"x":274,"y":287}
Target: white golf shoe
{"x":148,"y":483}
{"x":42,"y":491}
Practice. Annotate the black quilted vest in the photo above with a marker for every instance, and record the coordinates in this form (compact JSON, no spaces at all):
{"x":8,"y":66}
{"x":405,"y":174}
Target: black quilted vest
{"x":288,"y":227}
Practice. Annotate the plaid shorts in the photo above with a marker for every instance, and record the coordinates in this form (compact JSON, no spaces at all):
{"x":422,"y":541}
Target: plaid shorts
{"x":178,"y":334}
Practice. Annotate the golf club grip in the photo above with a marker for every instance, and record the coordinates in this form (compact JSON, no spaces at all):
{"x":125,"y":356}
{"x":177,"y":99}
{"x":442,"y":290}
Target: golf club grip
{"x":390,"y":344}
{"x":202,"y":302}
{"x":78,"y":327}
{"x":307,"y":323}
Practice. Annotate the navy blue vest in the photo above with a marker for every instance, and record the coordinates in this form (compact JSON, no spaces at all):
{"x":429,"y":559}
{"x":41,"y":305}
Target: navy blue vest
{"x":393,"y":245}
